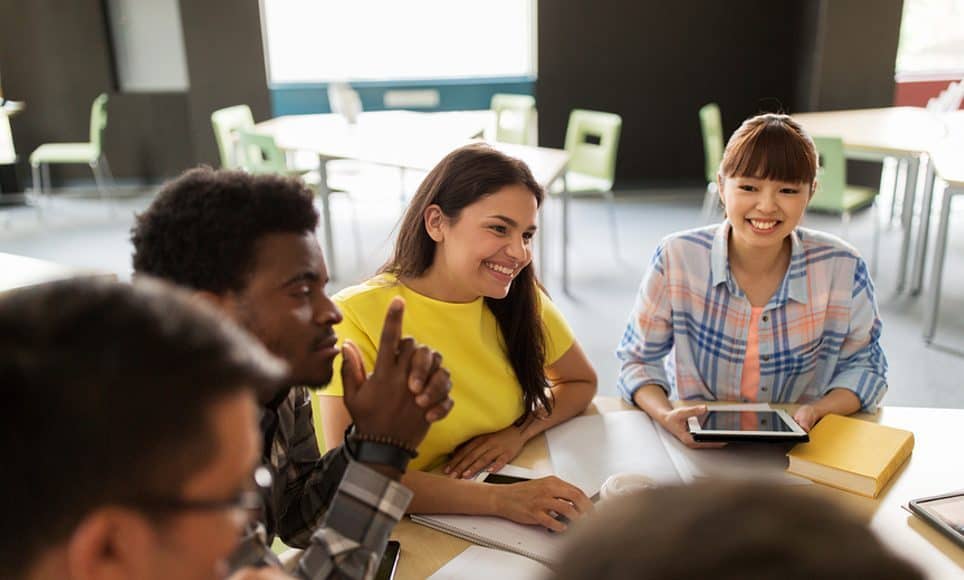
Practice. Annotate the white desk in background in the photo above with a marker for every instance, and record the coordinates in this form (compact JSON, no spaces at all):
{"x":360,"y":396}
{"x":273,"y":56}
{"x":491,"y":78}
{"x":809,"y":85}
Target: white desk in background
{"x":905,"y":133}
{"x":949,"y":166}
{"x":19,"y":271}
{"x":403,"y":139}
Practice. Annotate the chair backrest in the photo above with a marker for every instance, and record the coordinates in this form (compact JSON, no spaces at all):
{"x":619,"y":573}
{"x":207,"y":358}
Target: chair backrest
{"x":260,"y":153}
{"x":227,"y":122}
{"x":98,"y":121}
{"x":831,"y":175}
{"x":592,"y":140}
{"x":711,"y":124}
{"x":514,"y":118}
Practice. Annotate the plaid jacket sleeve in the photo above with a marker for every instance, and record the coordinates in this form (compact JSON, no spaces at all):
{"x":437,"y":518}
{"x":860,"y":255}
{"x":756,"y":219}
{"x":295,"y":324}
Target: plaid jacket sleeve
{"x":352,"y":537}
{"x":862,"y":366}
{"x":648,"y":337}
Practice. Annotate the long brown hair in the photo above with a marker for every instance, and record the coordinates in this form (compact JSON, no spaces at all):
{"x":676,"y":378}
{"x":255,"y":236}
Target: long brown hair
{"x":465,"y":176}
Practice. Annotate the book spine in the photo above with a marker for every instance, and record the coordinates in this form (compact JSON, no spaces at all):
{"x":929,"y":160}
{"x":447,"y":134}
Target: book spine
{"x":895,"y":462}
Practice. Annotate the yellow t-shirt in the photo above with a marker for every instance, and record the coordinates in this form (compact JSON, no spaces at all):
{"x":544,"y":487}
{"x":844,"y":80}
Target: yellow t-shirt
{"x":485,"y":390}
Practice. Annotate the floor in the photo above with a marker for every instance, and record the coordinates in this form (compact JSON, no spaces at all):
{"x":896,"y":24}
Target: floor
{"x":77,"y":228}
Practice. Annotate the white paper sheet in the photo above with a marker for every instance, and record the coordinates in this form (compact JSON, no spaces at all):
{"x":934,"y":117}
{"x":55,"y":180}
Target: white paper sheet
{"x":585,"y":451}
{"x":478,"y":563}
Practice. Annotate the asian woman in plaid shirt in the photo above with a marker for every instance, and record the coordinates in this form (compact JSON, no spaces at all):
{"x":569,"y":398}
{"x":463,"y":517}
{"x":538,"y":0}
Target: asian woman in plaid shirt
{"x":756,"y":308}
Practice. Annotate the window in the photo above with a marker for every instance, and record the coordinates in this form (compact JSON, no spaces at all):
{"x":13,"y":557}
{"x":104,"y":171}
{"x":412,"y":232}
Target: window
{"x":931,"y":39}
{"x":325,"y":40}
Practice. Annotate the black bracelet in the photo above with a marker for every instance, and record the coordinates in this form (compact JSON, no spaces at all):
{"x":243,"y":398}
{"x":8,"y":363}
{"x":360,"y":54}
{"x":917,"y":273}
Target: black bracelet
{"x":369,"y":449}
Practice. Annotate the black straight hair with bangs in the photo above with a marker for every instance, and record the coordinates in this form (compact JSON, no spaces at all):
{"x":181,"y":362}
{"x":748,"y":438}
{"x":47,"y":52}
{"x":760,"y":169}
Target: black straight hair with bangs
{"x":771,"y":146}
{"x":465,"y":176}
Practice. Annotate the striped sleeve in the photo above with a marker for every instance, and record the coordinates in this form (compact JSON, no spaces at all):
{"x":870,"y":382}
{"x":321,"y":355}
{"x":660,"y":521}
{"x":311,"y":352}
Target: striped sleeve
{"x":862,"y":366}
{"x":648,"y":337}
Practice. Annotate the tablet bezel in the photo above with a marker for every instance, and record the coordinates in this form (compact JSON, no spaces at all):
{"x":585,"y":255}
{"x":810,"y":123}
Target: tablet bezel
{"x":796,"y":435}
{"x":935,"y":520}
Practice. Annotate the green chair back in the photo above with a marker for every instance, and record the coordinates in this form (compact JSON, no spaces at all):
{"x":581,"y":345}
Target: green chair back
{"x":98,"y":122}
{"x":711,"y":123}
{"x":592,"y":140}
{"x":833,"y":194}
{"x":514,"y":117}
{"x":831,"y":175}
{"x":261,"y":154}
{"x":226,"y":123}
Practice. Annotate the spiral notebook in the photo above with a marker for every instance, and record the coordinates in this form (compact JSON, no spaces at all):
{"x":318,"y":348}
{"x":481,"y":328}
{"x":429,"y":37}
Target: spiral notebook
{"x":533,"y":542}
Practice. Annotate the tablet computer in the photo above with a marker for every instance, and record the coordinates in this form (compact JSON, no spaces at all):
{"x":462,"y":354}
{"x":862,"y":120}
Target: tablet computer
{"x":771,"y":425}
{"x":944,"y":512}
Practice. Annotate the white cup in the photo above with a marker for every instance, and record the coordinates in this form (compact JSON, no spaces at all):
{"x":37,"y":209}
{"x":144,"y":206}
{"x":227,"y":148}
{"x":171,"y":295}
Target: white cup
{"x":621,"y":484}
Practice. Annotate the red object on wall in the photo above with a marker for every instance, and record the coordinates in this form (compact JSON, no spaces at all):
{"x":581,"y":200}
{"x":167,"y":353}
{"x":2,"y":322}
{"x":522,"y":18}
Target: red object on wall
{"x":916,"y":93}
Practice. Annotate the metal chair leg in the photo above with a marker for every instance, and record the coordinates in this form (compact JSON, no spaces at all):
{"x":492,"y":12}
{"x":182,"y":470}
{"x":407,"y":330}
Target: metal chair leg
{"x":937,"y":271}
{"x":875,"y":250}
{"x":613,"y":225}
{"x":709,"y":203}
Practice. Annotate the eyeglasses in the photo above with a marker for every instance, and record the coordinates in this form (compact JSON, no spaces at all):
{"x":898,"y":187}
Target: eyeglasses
{"x":245,"y":502}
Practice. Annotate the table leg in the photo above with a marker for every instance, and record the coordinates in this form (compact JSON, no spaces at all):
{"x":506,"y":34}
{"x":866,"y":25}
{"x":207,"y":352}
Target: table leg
{"x":565,"y":236}
{"x":907,"y":221}
{"x":923,"y":230}
{"x":937,"y":271}
{"x":324,"y":193}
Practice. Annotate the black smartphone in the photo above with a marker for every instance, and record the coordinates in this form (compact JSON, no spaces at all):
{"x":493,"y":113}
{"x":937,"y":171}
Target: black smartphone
{"x":386,"y":568}
{"x":499,"y":478}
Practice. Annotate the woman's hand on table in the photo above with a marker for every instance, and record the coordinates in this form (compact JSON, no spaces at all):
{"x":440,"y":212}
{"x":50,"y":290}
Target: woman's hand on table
{"x":807,"y":416}
{"x":676,"y":422}
{"x":491,"y":452}
{"x":540,"y":502}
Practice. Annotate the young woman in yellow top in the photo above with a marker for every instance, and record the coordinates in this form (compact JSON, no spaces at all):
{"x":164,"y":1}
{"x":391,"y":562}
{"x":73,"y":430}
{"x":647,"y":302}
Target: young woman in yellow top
{"x":462,"y":262}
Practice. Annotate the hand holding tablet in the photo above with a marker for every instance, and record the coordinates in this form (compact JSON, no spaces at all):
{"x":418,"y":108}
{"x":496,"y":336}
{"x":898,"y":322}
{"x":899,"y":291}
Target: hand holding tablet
{"x":733,"y":425}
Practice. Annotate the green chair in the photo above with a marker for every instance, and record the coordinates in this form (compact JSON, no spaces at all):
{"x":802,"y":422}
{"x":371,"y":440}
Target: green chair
{"x":833,"y":195}
{"x":90,"y":153}
{"x":592,"y":141}
{"x":226,"y":123}
{"x":515,"y":117}
{"x":260,"y":155}
{"x":711,"y":125}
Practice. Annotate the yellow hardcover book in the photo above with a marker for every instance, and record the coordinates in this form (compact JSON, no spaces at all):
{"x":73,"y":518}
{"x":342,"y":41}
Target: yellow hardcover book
{"x":850,"y":454}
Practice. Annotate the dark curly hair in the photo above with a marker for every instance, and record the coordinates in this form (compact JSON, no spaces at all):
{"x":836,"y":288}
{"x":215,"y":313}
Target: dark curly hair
{"x":201,"y":230}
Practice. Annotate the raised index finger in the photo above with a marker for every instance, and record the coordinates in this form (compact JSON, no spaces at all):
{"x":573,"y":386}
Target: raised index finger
{"x":391,"y":333}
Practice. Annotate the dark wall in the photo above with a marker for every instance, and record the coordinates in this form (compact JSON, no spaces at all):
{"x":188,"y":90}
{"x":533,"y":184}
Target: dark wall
{"x":55,"y":56}
{"x":222,"y":40}
{"x":656,"y":63}
{"x":859,"y":54}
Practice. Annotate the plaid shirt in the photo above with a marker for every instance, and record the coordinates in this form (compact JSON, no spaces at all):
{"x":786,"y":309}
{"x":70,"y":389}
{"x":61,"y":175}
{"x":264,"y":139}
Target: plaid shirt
{"x":339,"y":511}
{"x":820,"y":330}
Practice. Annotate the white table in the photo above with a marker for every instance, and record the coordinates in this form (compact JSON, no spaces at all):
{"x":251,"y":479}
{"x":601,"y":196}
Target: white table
{"x":403,"y":139}
{"x":905,"y":133}
{"x":934,"y":467}
{"x":20,"y":271}
{"x":949,"y":166}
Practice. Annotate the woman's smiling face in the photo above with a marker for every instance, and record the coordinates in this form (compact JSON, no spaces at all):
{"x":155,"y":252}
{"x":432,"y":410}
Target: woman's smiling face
{"x":484,"y":248}
{"x":763,"y":211}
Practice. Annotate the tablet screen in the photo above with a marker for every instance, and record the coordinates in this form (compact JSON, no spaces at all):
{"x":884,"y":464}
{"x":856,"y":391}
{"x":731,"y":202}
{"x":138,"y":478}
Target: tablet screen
{"x":768,"y":421}
{"x":950,"y":510}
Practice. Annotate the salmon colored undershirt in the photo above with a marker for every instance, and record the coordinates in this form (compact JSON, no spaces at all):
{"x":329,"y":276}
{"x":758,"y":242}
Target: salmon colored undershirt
{"x":750,"y":382}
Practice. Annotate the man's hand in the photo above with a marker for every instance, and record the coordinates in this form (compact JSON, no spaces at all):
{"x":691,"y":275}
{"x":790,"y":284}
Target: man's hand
{"x":407,"y":390}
